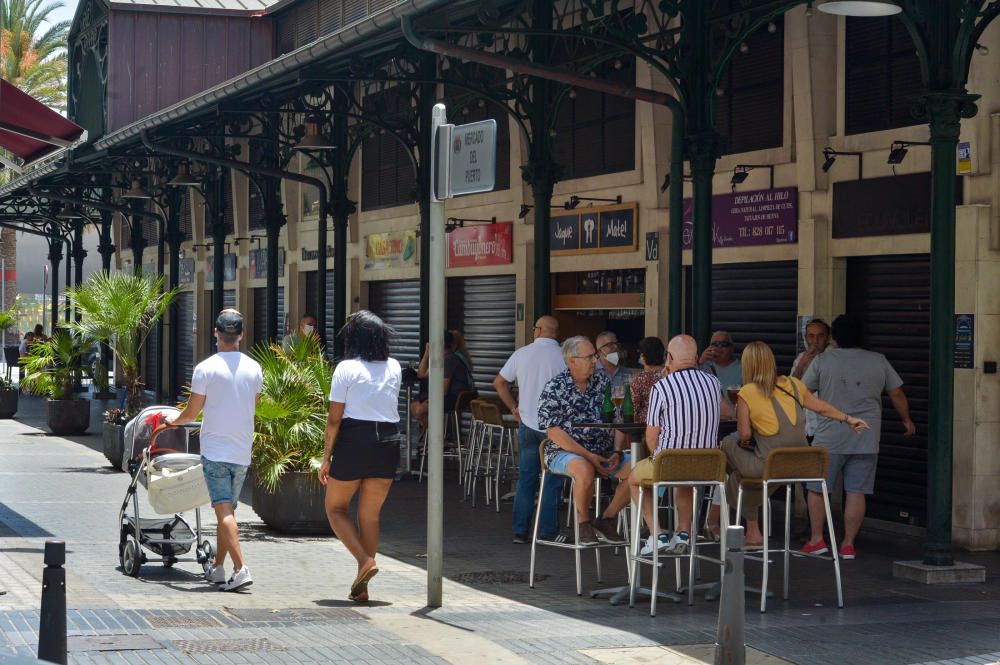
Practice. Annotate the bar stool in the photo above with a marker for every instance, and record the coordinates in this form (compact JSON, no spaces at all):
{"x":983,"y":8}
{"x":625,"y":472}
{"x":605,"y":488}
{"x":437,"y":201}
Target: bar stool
{"x":535,"y":540}
{"x":788,"y":467}
{"x":507,"y":456}
{"x":452,"y":419}
{"x":475,"y":437}
{"x":683,"y":467}
{"x":491,"y":429}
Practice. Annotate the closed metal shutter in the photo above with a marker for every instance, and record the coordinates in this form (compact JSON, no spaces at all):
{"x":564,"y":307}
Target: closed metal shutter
{"x":397,"y":302}
{"x":310,"y":305}
{"x":260,"y":315}
{"x":185,"y":340}
{"x":150,"y":352}
{"x":483,"y":309}
{"x":754,"y":301}
{"x":228,"y":298}
{"x":891,"y":295}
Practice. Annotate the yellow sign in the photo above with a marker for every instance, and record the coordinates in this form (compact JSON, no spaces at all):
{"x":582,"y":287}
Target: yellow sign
{"x":964,"y":158}
{"x":394,"y":249}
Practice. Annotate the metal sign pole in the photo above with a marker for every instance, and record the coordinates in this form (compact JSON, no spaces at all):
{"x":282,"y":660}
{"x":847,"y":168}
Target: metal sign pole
{"x":435,"y":429}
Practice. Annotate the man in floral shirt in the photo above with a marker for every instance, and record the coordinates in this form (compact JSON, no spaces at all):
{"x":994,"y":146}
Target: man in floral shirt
{"x":575,"y":395}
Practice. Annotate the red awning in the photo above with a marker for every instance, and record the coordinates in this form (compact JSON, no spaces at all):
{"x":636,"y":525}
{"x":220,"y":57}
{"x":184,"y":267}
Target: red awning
{"x":31,"y":130}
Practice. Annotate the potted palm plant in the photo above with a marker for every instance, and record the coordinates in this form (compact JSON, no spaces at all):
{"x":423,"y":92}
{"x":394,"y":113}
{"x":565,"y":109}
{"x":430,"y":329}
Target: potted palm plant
{"x":120,"y":310}
{"x":288,"y":443}
{"x":8,"y":393}
{"x":113,"y":433}
{"x":51,"y":367}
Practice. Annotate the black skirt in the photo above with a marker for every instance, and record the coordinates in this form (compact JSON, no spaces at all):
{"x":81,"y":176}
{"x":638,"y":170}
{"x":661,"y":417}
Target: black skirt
{"x":365,"y":449}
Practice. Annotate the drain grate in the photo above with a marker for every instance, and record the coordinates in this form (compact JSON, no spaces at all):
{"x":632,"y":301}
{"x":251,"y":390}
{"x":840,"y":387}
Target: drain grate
{"x":183,"y":621}
{"x":227,"y":646}
{"x":77,"y":643}
{"x":296,"y":615}
{"x":496,"y":577}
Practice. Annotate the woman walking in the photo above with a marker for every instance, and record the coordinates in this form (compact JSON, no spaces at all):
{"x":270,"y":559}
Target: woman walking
{"x":362,"y":440}
{"x":769,"y":414}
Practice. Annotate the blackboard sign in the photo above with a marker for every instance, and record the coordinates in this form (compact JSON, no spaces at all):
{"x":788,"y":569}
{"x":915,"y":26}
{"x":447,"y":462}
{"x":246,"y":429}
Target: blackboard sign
{"x":185,"y":273}
{"x":965,"y":337}
{"x":887,"y":206}
{"x":595,"y":230}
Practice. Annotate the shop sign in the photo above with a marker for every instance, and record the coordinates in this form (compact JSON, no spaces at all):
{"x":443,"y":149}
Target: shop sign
{"x":595,"y":230}
{"x":394,"y":249}
{"x":258,"y":263}
{"x":228,"y":267}
{"x":485,"y":245}
{"x":313,"y":254}
{"x":185,"y":273}
{"x":965,"y":337}
{"x":743,"y":219}
{"x":652,"y":246}
{"x":887,"y":206}
{"x":964,"y":158}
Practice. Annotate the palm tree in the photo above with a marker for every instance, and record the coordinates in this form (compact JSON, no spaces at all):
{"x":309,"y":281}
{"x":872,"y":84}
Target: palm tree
{"x":30,"y":58}
{"x":120,"y":310}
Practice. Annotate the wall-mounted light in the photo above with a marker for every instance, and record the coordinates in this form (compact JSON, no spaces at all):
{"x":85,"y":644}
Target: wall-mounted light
{"x":457,"y":223}
{"x":666,"y":181}
{"x":742,"y":172}
{"x":898,"y":150}
{"x":574,"y":201}
{"x":257,"y":239}
{"x":525,"y":209}
{"x":830,"y":156}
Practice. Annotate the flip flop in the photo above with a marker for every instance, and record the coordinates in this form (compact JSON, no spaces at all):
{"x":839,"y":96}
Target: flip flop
{"x":360,"y":585}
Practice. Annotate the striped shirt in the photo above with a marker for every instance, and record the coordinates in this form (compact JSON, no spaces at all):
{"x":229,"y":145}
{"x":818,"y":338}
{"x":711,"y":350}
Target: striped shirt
{"x":685,"y":406}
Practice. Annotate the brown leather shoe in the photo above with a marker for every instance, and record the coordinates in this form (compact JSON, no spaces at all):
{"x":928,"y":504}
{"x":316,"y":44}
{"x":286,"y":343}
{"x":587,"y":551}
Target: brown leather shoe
{"x":587,"y":535}
{"x":607,"y":531}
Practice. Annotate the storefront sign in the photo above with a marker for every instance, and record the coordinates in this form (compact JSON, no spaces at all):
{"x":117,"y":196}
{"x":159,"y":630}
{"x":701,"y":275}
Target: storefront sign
{"x":595,"y":230}
{"x":228,"y":267}
{"x":887,"y":206}
{"x":742,"y":219}
{"x":965,"y":337}
{"x":258,"y":263}
{"x":964,"y":158}
{"x":473,"y":160}
{"x":486,"y":245}
{"x":185,"y":273}
{"x":652,"y":246}
{"x":313,"y":254}
{"x":394,"y":249}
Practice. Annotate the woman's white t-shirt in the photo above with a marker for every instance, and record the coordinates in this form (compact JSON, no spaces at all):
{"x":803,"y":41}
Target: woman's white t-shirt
{"x":368,"y":390}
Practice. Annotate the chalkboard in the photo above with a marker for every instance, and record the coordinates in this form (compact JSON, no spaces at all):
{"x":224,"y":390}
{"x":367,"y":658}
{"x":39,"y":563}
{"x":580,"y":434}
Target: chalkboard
{"x":618,"y":228}
{"x":595,"y":230}
{"x":887,"y":206}
{"x":564,"y":235}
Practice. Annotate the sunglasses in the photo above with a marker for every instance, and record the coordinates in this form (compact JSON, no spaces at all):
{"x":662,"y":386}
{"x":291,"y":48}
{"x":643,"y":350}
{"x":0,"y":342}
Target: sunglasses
{"x":721,"y":345}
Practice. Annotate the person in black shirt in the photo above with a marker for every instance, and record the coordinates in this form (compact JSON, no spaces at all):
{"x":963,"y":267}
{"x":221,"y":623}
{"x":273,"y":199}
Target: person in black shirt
{"x":457,"y":378}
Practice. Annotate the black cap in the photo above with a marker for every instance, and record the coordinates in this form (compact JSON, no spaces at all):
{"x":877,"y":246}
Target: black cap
{"x":230,"y":321}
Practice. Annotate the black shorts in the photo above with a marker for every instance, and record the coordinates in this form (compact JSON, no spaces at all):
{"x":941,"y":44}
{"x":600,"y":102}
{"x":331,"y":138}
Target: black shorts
{"x":365,"y":449}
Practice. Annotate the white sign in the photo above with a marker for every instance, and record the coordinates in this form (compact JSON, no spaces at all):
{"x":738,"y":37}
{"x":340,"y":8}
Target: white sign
{"x":473,"y":157}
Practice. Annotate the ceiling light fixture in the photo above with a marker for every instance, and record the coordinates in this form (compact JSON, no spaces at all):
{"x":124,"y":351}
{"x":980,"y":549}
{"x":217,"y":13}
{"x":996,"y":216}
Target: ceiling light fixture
{"x":861,"y":8}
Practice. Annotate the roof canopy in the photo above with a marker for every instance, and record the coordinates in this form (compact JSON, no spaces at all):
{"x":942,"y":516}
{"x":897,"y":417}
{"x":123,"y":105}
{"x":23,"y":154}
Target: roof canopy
{"x":31,"y":130}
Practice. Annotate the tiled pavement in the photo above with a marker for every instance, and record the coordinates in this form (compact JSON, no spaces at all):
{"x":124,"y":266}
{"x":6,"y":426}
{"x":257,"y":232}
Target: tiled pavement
{"x":52,"y":487}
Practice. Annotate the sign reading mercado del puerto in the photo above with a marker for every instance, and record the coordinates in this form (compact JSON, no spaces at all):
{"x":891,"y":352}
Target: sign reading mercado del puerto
{"x":741,"y":219}
{"x":485,"y":245}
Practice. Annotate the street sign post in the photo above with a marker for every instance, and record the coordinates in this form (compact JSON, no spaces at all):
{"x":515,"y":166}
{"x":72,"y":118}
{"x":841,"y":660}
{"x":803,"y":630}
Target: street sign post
{"x":463,"y":161}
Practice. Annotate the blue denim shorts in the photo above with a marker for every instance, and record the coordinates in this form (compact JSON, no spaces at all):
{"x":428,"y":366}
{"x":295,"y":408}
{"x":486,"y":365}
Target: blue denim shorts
{"x":224,"y":480}
{"x":560,"y":462}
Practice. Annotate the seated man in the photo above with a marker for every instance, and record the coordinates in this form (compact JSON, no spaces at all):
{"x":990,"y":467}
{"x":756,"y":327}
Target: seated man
{"x":457,"y":378}
{"x":684,"y":411}
{"x":573,"y":396}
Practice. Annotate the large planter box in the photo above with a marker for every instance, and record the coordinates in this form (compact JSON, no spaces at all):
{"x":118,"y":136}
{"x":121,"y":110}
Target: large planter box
{"x":68,"y":416}
{"x":8,"y":403}
{"x":114,"y":443}
{"x":295,"y":507}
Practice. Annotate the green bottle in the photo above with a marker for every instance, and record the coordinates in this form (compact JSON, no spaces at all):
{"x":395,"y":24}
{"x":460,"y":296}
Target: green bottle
{"x":628,"y":409}
{"x":607,"y":408}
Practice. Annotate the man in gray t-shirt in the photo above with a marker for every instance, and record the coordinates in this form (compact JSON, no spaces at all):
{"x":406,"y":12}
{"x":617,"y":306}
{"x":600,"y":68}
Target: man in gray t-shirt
{"x":853,"y":380}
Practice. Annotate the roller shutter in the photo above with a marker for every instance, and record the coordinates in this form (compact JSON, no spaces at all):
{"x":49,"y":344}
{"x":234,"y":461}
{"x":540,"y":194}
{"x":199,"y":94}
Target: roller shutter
{"x":150,"y":351}
{"x":260,"y":314}
{"x":184,"y":363}
{"x":483,"y":309}
{"x":754,"y":301}
{"x":891,"y":295}
{"x":310,"y":303}
{"x":398,"y":304}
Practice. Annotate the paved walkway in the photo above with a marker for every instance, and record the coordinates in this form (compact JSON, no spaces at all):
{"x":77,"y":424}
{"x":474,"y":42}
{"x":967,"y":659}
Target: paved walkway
{"x":297,"y":609}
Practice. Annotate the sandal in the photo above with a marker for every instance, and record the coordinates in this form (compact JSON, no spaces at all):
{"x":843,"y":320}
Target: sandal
{"x":712,"y":532}
{"x":360,"y":586}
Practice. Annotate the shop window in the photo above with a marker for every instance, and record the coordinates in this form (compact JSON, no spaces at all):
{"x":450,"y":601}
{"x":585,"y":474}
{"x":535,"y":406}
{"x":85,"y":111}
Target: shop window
{"x":387,"y":176}
{"x":464,"y":108}
{"x":595,"y":132}
{"x":882,"y":75}
{"x":749,"y":102}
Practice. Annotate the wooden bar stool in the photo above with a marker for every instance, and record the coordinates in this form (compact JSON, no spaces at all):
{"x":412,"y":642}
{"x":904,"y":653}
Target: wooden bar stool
{"x":787,"y":467}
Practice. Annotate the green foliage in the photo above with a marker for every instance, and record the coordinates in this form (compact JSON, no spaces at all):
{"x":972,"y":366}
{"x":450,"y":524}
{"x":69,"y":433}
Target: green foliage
{"x":8,"y":319}
{"x":120,"y":310}
{"x":291,"y":414}
{"x":51,"y":365}
{"x":33,"y":50}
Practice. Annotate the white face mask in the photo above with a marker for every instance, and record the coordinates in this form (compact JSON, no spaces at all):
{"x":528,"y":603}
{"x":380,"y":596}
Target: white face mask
{"x":613,"y":358}
{"x":307,"y":330}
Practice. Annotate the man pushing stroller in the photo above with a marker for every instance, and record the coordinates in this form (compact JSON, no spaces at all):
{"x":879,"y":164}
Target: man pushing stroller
{"x":226,"y":387}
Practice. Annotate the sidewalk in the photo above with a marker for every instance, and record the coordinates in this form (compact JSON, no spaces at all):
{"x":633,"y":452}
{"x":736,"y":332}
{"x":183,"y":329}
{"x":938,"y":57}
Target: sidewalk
{"x":297,"y":610}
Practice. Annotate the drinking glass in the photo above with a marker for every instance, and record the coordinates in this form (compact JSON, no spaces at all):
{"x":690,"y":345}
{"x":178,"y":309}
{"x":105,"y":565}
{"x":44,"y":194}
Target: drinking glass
{"x":617,"y":398}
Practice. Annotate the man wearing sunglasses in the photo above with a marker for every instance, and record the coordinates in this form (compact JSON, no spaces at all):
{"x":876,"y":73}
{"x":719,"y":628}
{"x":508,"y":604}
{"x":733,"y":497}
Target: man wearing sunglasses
{"x":720,"y":360}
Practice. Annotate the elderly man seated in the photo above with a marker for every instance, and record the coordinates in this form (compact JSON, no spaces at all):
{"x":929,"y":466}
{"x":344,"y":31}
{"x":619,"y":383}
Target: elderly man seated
{"x":571,"y":397}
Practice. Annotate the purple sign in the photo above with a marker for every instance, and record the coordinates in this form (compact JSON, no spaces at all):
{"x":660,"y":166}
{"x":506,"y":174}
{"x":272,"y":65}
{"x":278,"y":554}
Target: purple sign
{"x":740,"y":219}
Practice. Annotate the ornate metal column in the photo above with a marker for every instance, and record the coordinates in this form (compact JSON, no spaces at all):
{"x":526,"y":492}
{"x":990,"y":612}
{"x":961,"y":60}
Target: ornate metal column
{"x":55,"y":256}
{"x":426,"y":98}
{"x":342,"y":208}
{"x":79,"y":254}
{"x":137,"y":242}
{"x":105,"y":247}
{"x":173,"y":237}
{"x":68,"y":240}
{"x":215,"y":190}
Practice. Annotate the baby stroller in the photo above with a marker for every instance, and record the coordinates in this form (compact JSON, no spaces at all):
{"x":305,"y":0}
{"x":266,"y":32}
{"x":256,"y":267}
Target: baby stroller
{"x":161,"y":461}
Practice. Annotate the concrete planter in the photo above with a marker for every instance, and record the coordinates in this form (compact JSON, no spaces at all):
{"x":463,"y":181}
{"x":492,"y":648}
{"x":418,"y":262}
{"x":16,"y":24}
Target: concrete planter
{"x":295,"y":507}
{"x":114,"y":443}
{"x":68,"y":416}
{"x":8,"y":402}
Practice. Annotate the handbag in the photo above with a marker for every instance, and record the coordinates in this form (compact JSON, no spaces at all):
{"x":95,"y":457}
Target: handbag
{"x":175,"y":491}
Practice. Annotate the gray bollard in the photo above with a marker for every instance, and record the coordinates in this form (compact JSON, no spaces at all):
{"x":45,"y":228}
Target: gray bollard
{"x":730,"y":646}
{"x":52,"y":620}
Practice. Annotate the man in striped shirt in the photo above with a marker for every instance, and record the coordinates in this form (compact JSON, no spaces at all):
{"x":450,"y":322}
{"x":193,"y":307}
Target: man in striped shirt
{"x":684,"y":411}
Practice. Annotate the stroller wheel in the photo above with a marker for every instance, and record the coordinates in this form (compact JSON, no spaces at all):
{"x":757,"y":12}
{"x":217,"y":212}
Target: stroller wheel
{"x":131,"y":557}
{"x":206,"y":555}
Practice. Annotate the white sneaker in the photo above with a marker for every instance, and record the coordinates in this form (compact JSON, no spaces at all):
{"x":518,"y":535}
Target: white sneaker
{"x":241,"y":578}
{"x":216,"y":575}
{"x":679,"y":543}
{"x":661,"y":542}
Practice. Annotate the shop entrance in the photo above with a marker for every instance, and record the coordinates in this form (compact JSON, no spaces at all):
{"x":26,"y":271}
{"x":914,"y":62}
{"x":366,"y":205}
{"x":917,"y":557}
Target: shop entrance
{"x":588,"y":303}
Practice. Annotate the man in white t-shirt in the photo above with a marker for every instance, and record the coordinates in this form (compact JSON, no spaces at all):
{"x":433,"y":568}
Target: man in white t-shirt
{"x":226,"y":387}
{"x":817,"y":341}
{"x":531,"y":367}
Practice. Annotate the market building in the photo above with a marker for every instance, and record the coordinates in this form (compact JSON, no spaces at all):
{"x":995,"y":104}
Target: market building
{"x":298,"y":125}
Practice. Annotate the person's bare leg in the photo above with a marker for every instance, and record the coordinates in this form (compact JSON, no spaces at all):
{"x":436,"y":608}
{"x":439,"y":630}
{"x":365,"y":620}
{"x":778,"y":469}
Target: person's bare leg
{"x":754,"y":536}
{"x":684,"y":496}
{"x":419,"y":411}
{"x":621,"y":497}
{"x":338,"y":502}
{"x":373,"y":494}
{"x":228,"y":538}
{"x":854,"y":515}
{"x":583,"y":487}
{"x":647,"y":504}
{"x":817,"y":516}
